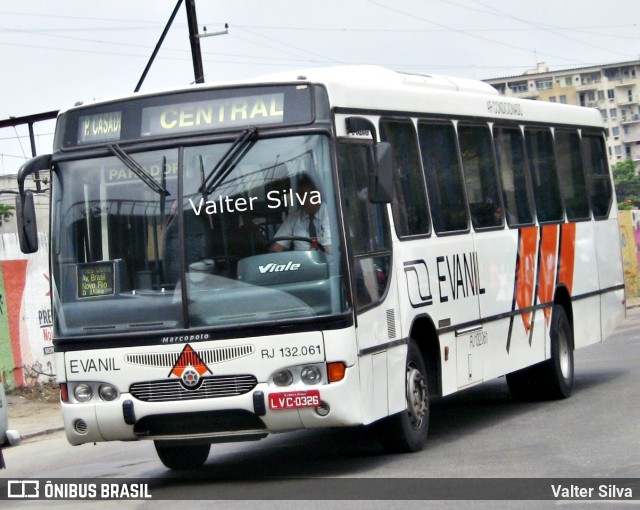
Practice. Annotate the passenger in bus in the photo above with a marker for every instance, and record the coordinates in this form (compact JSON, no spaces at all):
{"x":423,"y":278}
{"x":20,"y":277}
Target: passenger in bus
{"x":309,"y":221}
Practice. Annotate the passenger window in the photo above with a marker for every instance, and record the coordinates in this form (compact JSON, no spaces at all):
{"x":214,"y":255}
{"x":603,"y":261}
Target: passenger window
{"x":480,"y":176}
{"x":513,"y":177}
{"x":571,"y":175}
{"x":597,"y":173}
{"x":443,"y":176}
{"x":544,"y":178}
{"x":409,"y":206}
{"x":367,"y":227}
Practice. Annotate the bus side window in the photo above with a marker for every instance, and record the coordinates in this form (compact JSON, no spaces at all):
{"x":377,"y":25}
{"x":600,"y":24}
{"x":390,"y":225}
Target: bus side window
{"x":367,"y":227}
{"x":409,"y":206}
{"x":480,"y":176}
{"x":597,"y":172}
{"x":544,"y":178}
{"x":443,"y":175}
{"x":515,"y":188}
{"x":572,"y":182}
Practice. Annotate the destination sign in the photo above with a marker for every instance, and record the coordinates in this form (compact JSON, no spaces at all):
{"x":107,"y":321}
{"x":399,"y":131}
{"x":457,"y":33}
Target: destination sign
{"x":100,"y":127}
{"x":95,"y":279}
{"x":192,"y":111}
{"x":213,"y":114}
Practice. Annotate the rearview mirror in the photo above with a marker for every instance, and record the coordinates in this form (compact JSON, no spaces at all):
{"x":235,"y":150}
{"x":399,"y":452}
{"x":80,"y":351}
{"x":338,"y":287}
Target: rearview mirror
{"x":25,"y":206}
{"x":27,"y":227}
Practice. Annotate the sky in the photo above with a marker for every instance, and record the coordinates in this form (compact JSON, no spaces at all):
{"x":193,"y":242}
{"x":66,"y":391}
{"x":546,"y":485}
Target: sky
{"x":55,"y":53}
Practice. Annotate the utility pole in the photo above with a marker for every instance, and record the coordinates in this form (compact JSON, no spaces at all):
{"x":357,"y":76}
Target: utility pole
{"x":196,"y":54}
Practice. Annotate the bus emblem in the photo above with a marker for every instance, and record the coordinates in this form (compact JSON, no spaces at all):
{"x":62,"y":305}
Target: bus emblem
{"x":189,"y":368}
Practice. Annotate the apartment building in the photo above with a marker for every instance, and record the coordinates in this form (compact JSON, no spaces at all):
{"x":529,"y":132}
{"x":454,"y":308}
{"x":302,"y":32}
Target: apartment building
{"x":614,"y":89}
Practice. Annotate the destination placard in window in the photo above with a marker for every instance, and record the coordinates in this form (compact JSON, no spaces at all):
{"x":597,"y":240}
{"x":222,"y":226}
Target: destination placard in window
{"x":95,"y":279}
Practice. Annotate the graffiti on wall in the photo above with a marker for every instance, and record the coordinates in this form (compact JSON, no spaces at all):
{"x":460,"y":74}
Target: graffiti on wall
{"x":26,"y":348}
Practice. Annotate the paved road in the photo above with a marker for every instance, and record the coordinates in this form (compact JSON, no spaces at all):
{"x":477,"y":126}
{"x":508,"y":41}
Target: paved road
{"x":481,"y":432}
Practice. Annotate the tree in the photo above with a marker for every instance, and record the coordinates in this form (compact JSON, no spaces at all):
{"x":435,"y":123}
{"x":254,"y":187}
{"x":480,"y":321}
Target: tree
{"x":6,"y":211}
{"x":627,"y":183}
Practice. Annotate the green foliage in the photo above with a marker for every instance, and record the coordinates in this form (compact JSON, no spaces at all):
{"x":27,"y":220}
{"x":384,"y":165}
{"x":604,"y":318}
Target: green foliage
{"x":6,"y":211}
{"x":627,"y":183}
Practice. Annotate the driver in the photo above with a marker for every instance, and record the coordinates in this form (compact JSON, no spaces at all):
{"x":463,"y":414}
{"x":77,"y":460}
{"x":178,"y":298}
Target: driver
{"x":310,"y":221}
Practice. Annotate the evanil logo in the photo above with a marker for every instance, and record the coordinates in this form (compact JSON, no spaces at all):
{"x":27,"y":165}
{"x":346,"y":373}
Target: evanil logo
{"x":277,"y":268}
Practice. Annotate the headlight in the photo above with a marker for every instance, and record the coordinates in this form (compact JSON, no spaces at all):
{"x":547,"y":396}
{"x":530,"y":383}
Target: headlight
{"x":310,"y":375}
{"x":283,"y":378}
{"x":107,"y":392}
{"x":82,"y":392}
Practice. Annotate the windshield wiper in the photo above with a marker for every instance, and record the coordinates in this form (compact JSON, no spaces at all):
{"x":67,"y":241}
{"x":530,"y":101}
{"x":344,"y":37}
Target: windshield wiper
{"x":223,"y":167}
{"x":137,"y":169}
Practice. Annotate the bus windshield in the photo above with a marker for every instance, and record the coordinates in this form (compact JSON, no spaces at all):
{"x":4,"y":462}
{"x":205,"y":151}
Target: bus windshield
{"x":132,"y":254}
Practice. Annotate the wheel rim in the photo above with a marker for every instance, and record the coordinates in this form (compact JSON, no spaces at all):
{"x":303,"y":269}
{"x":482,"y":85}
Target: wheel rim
{"x":417,"y":403}
{"x":564,"y":355}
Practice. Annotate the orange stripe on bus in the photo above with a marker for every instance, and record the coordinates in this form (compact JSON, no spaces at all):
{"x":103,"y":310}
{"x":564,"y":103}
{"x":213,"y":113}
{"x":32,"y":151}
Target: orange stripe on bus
{"x":567,"y":256}
{"x":548,"y":265}
{"x":526,"y":271}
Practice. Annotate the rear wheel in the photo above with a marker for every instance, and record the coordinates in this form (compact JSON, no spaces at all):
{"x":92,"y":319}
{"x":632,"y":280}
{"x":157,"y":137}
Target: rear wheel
{"x":407,"y":431}
{"x":181,"y":456}
{"x":553,"y":378}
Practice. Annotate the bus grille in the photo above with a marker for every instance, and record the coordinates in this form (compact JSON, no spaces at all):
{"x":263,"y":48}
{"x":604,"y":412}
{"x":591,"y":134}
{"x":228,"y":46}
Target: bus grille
{"x":168,"y":390}
{"x":209,"y":356}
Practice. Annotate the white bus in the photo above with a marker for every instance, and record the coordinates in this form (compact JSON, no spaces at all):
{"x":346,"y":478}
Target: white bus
{"x":458,"y":236}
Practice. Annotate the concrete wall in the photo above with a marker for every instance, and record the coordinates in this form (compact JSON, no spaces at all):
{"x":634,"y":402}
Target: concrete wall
{"x":26,"y":349}
{"x":630,"y":238}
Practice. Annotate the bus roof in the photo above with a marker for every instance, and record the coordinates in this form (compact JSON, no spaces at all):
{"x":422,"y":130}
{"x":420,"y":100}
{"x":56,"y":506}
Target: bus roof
{"x":374,"y":88}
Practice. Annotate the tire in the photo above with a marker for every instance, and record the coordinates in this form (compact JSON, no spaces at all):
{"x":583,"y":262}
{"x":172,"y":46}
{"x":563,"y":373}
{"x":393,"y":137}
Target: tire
{"x":406,"y":431}
{"x":553,"y":378}
{"x":180,"y":456}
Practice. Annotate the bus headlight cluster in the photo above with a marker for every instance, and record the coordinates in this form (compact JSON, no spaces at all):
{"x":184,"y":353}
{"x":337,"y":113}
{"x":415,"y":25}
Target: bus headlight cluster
{"x":305,"y":374}
{"x":283,"y":378}
{"x":107,"y":392}
{"x":83,"y":392}
{"x":88,"y":392}
{"x":311,"y":375}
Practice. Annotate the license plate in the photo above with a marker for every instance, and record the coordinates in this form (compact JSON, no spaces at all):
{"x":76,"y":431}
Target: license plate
{"x":294,"y":399}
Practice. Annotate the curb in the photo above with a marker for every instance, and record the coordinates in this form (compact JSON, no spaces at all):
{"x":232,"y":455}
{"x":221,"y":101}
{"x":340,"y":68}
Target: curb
{"x":41,"y":433}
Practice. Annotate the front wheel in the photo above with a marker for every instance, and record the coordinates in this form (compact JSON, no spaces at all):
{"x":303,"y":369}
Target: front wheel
{"x":407,"y":431}
{"x":181,"y":456}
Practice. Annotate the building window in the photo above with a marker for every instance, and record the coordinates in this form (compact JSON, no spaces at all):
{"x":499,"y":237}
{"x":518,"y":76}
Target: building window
{"x":552,"y":99}
{"x":604,"y":114}
{"x":618,"y":150}
{"x":613,"y":113}
{"x":518,"y":87}
{"x":610,"y":94}
{"x":563,"y":99}
{"x":615,"y":131}
{"x":547,"y":83}
{"x":601,"y":95}
{"x":567,"y":81}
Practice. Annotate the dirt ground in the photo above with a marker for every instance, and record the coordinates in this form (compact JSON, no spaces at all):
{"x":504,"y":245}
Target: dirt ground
{"x":41,"y":392}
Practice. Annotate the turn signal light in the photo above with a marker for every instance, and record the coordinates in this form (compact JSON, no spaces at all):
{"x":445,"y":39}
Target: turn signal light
{"x":64,"y":393}
{"x":336,"y":371}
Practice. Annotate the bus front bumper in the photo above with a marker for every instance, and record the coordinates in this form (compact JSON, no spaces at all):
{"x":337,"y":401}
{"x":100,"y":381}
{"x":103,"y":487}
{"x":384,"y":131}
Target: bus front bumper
{"x":238,"y":418}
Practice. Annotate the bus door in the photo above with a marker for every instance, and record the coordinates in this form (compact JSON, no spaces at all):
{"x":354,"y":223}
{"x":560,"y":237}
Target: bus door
{"x":374,"y":296}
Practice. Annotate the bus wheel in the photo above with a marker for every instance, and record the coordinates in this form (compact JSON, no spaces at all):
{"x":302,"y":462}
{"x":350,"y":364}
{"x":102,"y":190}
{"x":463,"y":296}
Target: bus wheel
{"x":180,"y":456}
{"x":553,"y":378}
{"x":407,"y":431}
